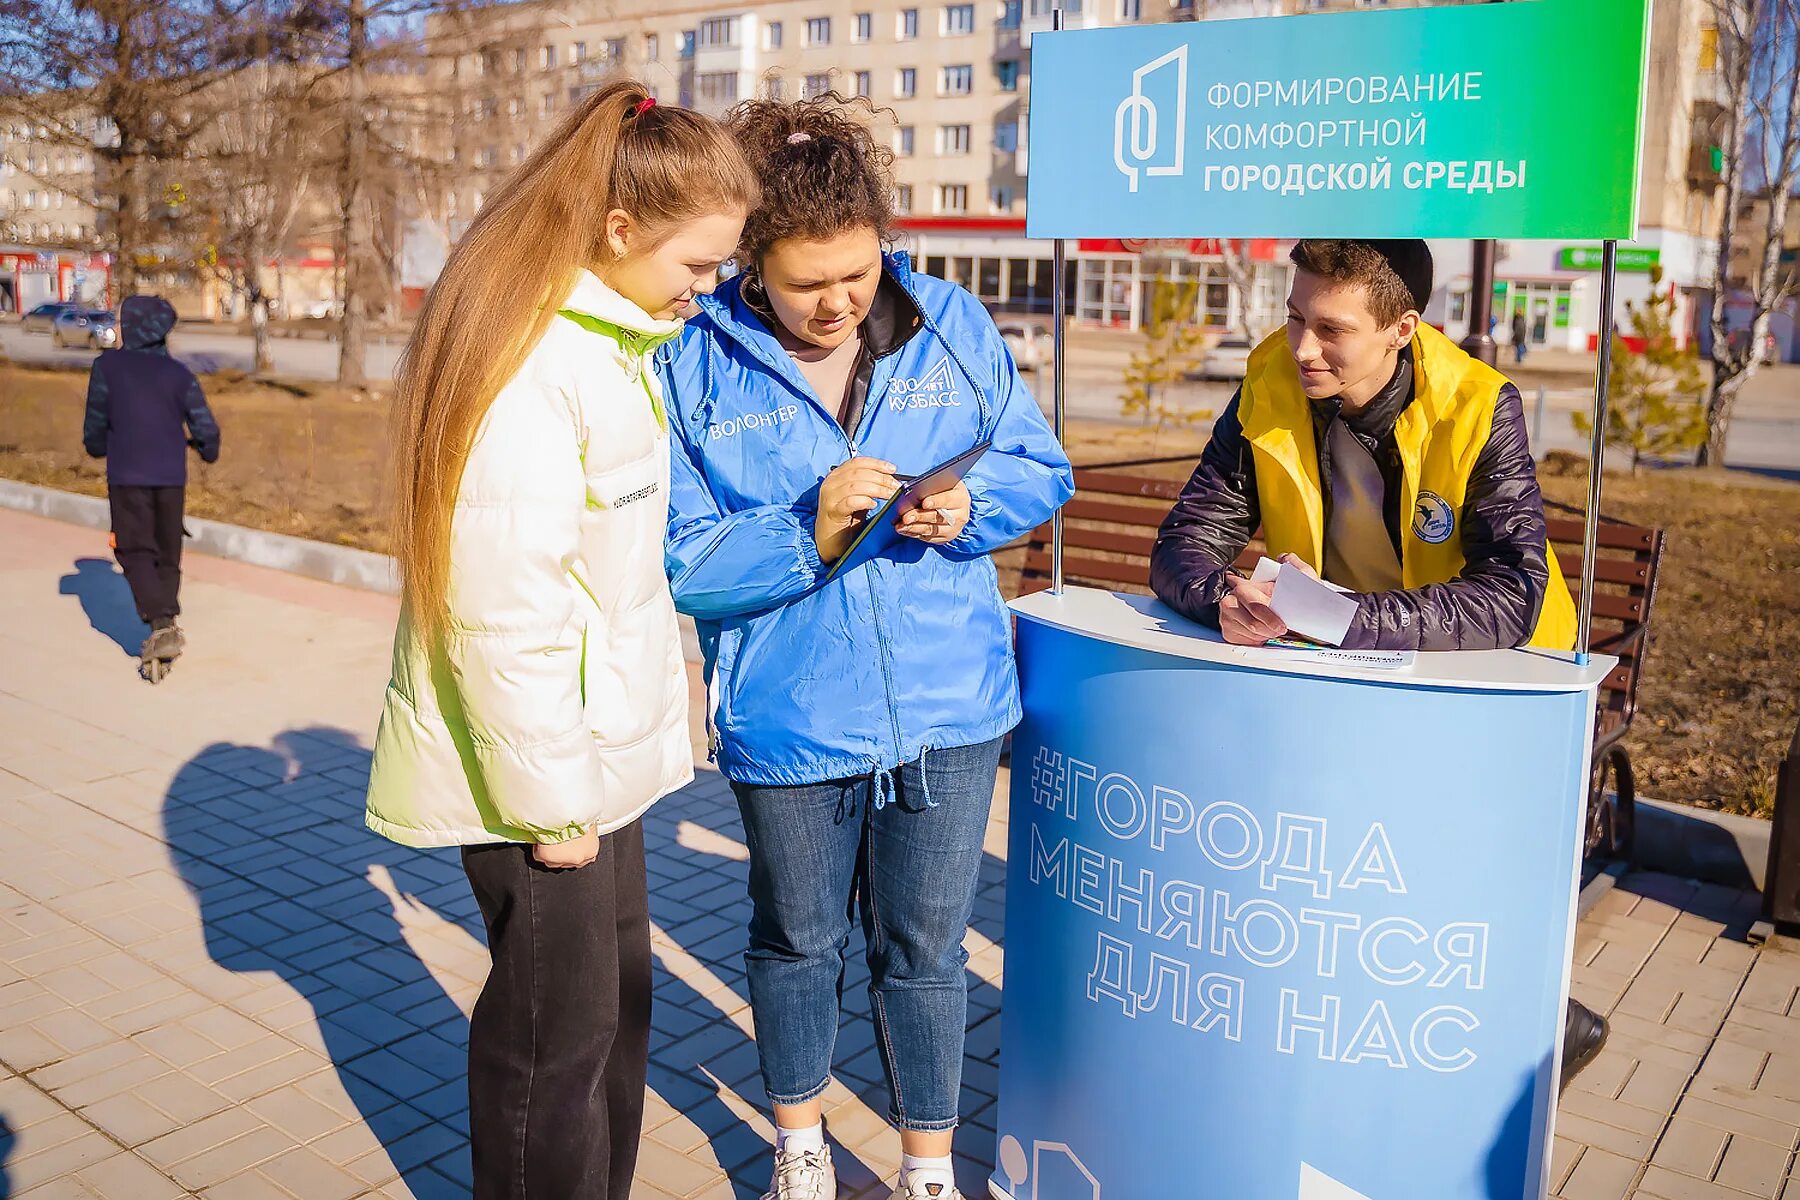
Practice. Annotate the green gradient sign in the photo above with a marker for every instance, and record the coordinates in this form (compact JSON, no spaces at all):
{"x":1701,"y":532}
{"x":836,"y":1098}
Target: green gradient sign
{"x":1435,"y":122}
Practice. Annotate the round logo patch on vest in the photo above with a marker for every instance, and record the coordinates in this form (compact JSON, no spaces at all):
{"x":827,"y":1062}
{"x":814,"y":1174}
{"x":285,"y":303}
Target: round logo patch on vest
{"x":1433,"y":519}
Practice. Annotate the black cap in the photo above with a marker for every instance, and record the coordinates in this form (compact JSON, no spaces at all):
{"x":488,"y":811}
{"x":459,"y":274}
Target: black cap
{"x":1411,"y":260}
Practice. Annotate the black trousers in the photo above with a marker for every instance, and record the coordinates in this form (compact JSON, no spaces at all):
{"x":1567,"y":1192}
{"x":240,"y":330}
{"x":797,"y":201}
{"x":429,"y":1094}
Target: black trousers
{"x":560,"y":1037}
{"x":146,"y":525}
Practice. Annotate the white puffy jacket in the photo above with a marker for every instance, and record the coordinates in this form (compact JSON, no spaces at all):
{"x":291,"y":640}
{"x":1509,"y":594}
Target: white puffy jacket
{"x":557,"y":701}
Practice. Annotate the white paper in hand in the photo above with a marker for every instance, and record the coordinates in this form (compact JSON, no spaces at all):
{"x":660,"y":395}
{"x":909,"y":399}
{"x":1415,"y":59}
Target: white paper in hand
{"x":1307,"y":606}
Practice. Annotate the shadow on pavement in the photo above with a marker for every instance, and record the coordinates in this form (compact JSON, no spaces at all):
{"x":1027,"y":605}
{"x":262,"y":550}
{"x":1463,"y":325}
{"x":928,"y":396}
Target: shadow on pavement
{"x":106,"y":599}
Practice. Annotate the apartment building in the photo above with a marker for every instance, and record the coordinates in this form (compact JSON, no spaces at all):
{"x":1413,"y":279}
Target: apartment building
{"x":951,"y":84}
{"x":47,"y":221}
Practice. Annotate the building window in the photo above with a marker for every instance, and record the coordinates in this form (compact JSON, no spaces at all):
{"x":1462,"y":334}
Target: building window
{"x":1006,"y":71}
{"x":1011,"y":12}
{"x":953,"y":139}
{"x":652,"y":47}
{"x":518,"y":153}
{"x":903,"y":141}
{"x":957,"y":81}
{"x":953,"y":197}
{"x":716,"y":87}
{"x":1131,"y":10}
{"x":577,"y":52}
{"x":903,"y":198}
{"x":774,"y":88}
{"x":772,"y":36}
{"x":718,"y":32}
{"x":818,"y":31}
{"x":1006,"y":137}
{"x":865,"y":83}
{"x":488,"y":158}
{"x":547,"y":58}
{"x":1042,"y":8}
{"x":815,"y":85}
{"x":519,"y":61}
{"x":615,"y":50}
{"x":906,"y":83}
{"x":959,"y":19}
{"x":906,"y":26}
{"x":549,"y":105}
{"x":687,"y":43}
{"x":864,"y":28}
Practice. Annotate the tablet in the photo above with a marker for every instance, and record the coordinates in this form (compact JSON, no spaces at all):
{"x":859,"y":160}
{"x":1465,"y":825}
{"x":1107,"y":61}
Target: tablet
{"x":878,"y":532}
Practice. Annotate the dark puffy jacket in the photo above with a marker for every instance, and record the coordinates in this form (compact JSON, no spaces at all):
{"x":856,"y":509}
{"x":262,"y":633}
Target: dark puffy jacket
{"x":144,"y":409}
{"x":1493,"y":604}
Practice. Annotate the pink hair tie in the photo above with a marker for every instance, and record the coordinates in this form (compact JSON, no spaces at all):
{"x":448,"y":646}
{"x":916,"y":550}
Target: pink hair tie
{"x":798,"y":136}
{"x":641,"y":107}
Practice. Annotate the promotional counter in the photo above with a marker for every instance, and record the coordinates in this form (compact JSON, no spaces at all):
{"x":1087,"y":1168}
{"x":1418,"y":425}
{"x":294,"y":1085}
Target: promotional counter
{"x":1279,"y":924}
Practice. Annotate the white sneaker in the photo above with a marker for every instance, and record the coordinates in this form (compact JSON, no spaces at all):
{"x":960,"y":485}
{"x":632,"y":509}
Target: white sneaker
{"x":803,"y":1175}
{"x":927,"y":1191}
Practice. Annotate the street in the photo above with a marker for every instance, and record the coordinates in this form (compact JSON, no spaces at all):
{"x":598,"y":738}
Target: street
{"x":206,"y":349}
{"x":1765,"y":430}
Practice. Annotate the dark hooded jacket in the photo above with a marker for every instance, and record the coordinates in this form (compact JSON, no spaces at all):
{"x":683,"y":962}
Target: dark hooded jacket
{"x":144,"y":409}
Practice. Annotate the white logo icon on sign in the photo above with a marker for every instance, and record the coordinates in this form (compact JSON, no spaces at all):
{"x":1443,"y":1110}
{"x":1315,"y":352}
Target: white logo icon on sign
{"x":1133,"y":150}
{"x":1053,"y":1159}
{"x":1316,"y":1185}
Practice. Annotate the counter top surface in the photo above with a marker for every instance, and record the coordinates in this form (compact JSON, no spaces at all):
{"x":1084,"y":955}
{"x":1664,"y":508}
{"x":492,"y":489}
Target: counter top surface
{"x":1145,"y":623}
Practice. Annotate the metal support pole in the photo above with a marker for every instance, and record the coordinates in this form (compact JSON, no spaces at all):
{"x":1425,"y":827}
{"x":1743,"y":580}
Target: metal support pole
{"x":1060,"y":314}
{"x":1597,"y":451}
{"x":1538,"y":449}
{"x":1479,"y":343}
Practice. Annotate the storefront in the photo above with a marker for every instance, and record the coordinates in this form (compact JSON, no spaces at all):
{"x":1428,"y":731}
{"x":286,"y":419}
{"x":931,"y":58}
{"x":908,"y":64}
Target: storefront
{"x":30,"y":277}
{"x":1557,"y":286}
{"x":1111,"y":281}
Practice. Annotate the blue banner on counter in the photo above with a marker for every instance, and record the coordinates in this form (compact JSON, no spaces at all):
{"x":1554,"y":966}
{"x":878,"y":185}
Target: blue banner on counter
{"x":1275,"y":936}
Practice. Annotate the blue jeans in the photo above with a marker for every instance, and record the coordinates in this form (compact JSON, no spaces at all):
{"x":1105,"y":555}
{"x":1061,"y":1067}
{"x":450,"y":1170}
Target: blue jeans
{"x":820,"y":852}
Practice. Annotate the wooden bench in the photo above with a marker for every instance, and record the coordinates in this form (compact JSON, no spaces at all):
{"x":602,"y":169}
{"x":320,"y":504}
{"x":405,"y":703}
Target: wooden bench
{"x":1110,"y":528}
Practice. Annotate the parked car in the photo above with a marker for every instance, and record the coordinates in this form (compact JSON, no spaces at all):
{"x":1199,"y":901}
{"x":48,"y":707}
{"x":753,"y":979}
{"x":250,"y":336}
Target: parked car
{"x":42,"y":318}
{"x":1226,"y":359}
{"x":95,"y":328}
{"x":1029,"y":344}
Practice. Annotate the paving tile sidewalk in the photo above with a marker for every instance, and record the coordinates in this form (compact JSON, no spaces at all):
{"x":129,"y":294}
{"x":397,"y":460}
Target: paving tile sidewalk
{"x":214,"y":983}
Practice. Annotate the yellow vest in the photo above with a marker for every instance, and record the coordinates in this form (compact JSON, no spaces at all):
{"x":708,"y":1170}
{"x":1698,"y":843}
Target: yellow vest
{"x":1440,"y":436}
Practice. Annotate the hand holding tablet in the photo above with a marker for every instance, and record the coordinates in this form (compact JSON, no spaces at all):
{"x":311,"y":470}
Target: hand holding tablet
{"x":907,"y":508}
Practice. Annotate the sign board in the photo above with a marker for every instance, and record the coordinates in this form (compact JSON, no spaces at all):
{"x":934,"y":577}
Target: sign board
{"x":1637,"y":259}
{"x":1431,"y":122}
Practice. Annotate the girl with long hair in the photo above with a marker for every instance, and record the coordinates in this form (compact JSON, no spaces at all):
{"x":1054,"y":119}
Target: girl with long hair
{"x":539,"y":700}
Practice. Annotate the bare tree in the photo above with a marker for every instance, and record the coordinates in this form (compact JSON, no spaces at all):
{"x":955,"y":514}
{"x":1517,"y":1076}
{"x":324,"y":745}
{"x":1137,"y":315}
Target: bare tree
{"x":1759,"y":135}
{"x":396,"y":100}
{"x":121,"y":80}
{"x":252,"y":176}
{"x":1242,"y":272}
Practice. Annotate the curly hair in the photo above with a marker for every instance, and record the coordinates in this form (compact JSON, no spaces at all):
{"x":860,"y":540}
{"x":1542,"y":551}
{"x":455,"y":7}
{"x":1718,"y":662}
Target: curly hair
{"x":821,"y":170}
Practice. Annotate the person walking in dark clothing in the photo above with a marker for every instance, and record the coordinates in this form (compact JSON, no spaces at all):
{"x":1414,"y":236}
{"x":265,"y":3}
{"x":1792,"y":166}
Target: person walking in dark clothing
{"x":1521,"y":335}
{"x":144,"y":410}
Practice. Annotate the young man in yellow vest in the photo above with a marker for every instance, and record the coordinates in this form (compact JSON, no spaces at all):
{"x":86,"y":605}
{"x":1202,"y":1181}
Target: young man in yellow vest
{"x":1372,"y":451}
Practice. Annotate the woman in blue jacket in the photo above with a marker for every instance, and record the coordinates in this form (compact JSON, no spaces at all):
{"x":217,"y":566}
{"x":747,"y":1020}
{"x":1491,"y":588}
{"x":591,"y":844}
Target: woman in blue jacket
{"x":859,"y":717}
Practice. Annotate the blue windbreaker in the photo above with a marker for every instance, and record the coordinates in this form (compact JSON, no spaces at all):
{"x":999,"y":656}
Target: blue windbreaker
{"x":810,"y":679}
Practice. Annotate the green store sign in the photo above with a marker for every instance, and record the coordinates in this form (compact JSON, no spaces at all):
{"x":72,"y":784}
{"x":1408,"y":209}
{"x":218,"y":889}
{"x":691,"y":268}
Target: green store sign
{"x":1591,"y":258}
